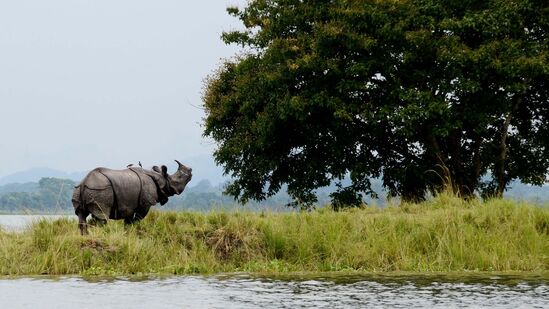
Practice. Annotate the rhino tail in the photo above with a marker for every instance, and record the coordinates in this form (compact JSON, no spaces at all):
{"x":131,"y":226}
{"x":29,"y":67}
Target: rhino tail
{"x":77,"y":198}
{"x":78,"y":195}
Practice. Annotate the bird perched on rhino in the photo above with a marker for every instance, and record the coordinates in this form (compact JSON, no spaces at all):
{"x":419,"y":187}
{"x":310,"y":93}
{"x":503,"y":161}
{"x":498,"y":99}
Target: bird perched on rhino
{"x":126,"y":194}
{"x":131,"y":164}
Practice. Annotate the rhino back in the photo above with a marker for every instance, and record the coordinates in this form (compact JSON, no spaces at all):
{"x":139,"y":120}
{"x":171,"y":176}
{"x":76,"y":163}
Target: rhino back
{"x":115,"y":193}
{"x":126,"y":186}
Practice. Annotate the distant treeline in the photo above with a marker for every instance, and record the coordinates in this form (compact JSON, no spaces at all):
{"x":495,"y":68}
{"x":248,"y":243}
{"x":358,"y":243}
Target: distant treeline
{"x":53,"y":195}
{"x":49,"y":195}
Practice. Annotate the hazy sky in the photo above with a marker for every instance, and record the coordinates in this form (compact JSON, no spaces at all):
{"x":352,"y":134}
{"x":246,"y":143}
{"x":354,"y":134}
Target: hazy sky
{"x":86,"y":83}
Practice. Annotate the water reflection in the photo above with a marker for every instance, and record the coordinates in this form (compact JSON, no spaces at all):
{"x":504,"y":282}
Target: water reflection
{"x":17,"y":223}
{"x":242,"y":291}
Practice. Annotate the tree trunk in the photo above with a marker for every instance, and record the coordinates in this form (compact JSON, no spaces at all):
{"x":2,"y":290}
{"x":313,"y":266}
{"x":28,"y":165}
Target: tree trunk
{"x":456,"y":172}
{"x":500,"y":168}
{"x":477,"y":163}
{"x":438,"y":156}
{"x":503,"y":149}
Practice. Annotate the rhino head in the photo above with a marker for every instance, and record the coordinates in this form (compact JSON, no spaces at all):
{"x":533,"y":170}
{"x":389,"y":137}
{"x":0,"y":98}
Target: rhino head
{"x":177,"y":181}
{"x":181,"y":178}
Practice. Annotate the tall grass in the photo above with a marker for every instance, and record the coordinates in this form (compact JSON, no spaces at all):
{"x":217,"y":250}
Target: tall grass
{"x":445,"y":234}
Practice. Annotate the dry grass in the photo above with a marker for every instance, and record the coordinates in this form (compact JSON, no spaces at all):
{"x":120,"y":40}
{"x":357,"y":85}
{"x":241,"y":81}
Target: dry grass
{"x":445,"y":234}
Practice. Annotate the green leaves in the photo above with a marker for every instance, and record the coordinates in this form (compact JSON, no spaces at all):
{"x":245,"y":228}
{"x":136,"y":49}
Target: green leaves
{"x":424,"y":93}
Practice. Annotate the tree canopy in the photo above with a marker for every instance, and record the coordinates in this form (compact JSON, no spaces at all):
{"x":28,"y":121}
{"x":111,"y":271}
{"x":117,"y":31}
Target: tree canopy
{"x":421,"y":93}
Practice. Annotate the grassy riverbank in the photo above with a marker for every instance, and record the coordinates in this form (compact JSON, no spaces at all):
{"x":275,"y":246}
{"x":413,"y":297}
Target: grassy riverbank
{"x":442,"y":235}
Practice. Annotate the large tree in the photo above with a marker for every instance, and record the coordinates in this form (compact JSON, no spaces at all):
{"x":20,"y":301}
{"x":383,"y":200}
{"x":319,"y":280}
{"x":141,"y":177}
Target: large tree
{"x":422,"y":93}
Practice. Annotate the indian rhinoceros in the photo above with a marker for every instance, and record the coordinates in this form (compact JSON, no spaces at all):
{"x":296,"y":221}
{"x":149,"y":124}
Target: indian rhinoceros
{"x":125,"y":194}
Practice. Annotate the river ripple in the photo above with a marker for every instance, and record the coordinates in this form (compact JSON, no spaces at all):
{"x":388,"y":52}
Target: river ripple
{"x":242,"y":291}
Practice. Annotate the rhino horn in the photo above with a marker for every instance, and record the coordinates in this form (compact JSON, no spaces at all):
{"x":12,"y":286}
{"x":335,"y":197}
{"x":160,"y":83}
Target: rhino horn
{"x":180,"y":165}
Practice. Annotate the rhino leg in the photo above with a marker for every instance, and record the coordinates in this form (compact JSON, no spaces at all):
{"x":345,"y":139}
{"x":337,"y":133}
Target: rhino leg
{"x":82,"y":224}
{"x":100,"y":211}
{"x":80,"y":211}
{"x":99,"y":221}
{"x":139,"y":215}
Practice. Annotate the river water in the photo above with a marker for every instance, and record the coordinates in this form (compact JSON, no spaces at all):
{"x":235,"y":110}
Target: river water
{"x":14,"y":223}
{"x":243,"y":291}
{"x":292,"y":291}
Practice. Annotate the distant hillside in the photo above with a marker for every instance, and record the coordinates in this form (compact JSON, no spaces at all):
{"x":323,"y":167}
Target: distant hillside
{"x":204,"y":168}
{"x":19,"y":187}
{"x":54,"y":195}
{"x":520,"y":191}
{"x":50,"y":195}
{"x":35,"y":174}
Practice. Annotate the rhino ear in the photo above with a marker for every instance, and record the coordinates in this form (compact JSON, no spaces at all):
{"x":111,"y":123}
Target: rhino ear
{"x":156,"y":169}
{"x":164,"y":171}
